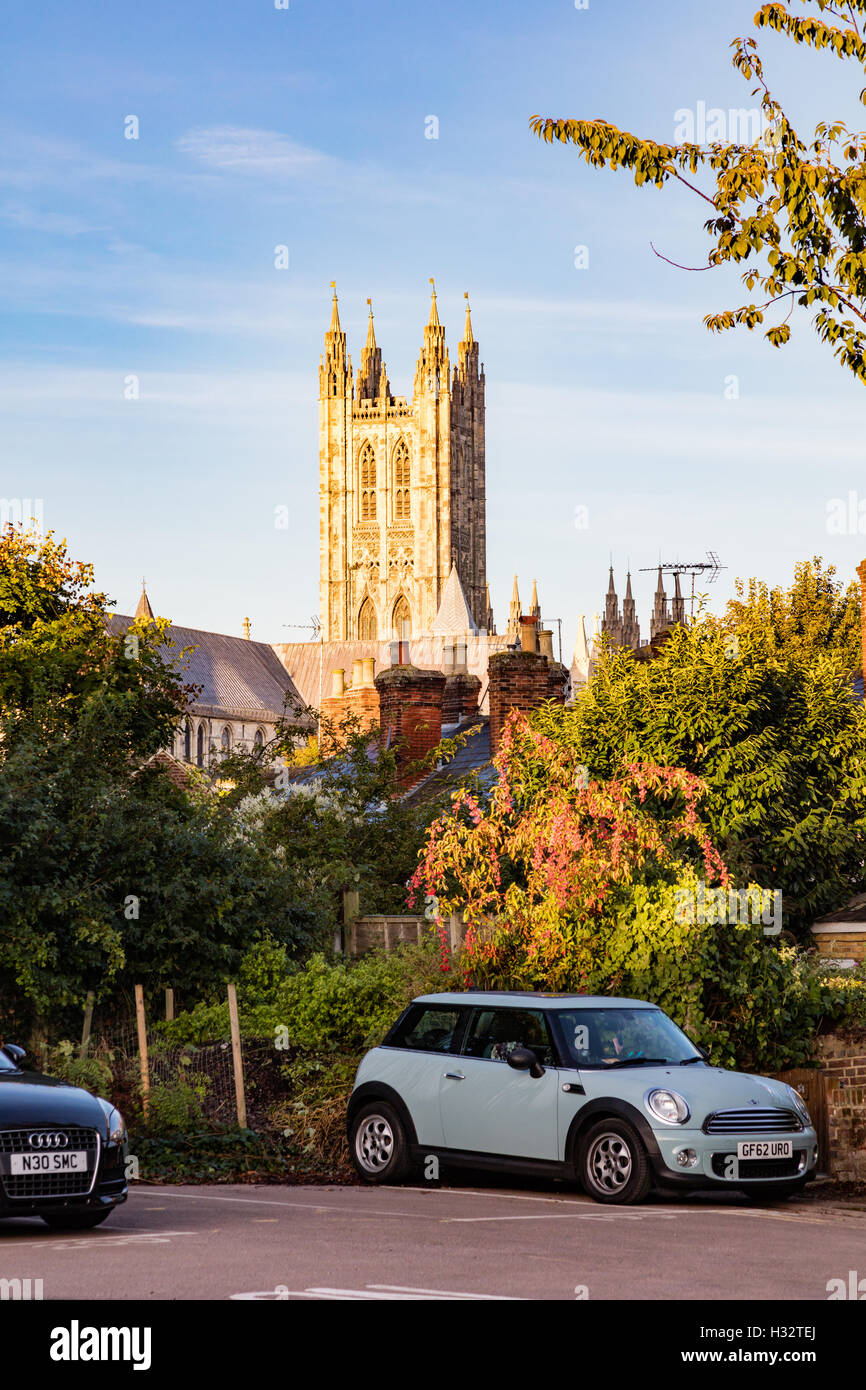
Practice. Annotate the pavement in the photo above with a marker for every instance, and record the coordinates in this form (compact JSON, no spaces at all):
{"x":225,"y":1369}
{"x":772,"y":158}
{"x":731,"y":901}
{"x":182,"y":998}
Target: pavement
{"x":471,"y":1242}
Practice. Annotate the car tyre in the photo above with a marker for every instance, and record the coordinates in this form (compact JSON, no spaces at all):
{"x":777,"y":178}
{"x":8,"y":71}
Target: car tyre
{"x":74,"y":1220}
{"x":613,"y":1165}
{"x":378,"y":1143}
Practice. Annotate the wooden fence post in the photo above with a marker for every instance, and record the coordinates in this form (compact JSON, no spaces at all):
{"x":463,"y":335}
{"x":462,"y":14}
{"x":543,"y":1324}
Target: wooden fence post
{"x":169,"y":1005}
{"x":237,"y":1058}
{"x":88,"y":1020}
{"x":351,"y":910}
{"x":142,"y":1049}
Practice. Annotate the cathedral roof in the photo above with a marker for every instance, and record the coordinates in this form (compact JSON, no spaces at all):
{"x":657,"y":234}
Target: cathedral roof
{"x":239,"y":678}
{"x":454,"y":616}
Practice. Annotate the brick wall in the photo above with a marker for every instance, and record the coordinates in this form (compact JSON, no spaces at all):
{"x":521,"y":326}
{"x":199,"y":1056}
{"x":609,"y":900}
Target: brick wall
{"x":843,"y":1060}
{"x":520,"y":680}
{"x":410,"y":713}
{"x":460,"y":697}
{"x":361,"y":700}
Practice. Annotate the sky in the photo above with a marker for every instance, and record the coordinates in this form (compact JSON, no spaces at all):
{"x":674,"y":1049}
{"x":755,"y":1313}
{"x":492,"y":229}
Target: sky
{"x":158,"y":358}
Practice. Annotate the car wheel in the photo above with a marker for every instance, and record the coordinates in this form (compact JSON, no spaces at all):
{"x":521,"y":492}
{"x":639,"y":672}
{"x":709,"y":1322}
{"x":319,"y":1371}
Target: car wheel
{"x":74,"y":1220}
{"x":613,"y":1164}
{"x":377,"y":1139}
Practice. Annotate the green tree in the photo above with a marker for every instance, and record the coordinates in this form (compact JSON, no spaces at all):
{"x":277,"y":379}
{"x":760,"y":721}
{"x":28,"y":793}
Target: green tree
{"x":792,"y":212}
{"x":815,"y":614}
{"x":108,"y":873}
{"x":769,"y":722}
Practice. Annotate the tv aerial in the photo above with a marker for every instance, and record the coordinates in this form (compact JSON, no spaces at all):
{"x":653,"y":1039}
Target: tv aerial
{"x":709,"y":567}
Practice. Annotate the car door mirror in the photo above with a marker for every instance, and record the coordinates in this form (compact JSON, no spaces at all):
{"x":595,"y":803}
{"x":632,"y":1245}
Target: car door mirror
{"x":524,"y":1059}
{"x":15,"y":1052}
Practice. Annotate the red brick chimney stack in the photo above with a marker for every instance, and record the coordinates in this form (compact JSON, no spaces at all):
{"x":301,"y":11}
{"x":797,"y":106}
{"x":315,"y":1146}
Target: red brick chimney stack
{"x":410,"y":713}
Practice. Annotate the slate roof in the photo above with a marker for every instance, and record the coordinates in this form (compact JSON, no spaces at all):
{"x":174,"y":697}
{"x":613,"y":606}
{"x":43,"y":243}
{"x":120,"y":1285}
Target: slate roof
{"x":472,"y":759}
{"x":239,"y":678}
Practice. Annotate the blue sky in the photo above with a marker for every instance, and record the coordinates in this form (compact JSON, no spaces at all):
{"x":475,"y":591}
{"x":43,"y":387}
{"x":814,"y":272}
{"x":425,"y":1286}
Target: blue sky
{"x":154,"y":258}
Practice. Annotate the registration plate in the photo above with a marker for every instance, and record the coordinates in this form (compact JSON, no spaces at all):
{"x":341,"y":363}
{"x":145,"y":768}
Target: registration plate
{"x":75,"y":1162}
{"x":766,"y":1148}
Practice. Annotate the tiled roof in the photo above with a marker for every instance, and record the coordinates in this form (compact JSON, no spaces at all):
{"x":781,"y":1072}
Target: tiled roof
{"x":472,"y":760}
{"x":239,"y":678}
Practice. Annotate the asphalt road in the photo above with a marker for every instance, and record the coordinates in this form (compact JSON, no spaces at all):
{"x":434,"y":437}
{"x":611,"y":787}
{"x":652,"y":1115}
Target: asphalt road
{"x":465,"y":1242}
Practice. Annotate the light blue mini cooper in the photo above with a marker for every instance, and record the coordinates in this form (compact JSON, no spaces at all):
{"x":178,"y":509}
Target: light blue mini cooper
{"x":608,"y":1092}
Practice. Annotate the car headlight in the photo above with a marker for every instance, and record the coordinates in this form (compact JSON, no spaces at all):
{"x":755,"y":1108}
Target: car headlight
{"x":800,"y":1105}
{"x":115,"y":1125}
{"x":668,"y":1106}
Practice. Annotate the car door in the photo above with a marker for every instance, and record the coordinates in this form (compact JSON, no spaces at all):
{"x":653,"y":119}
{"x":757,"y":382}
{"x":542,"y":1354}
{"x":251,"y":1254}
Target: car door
{"x":412,"y":1060}
{"x":489,"y":1107}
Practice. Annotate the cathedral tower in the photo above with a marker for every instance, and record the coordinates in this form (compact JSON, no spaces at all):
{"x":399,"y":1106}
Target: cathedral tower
{"x":401,"y":486}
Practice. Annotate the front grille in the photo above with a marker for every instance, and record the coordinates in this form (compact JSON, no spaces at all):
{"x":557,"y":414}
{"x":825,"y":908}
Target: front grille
{"x":20,"y":1186}
{"x":758,"y":1167}
{"x":752,"y":1121}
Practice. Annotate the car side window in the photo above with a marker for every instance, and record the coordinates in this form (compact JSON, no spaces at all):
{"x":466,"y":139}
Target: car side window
{"x":427,"y":1029}
{"x":493,"y":1033}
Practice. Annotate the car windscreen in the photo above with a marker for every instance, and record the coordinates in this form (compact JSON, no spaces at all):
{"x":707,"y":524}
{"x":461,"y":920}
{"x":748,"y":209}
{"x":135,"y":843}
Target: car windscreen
{"x":622,"y":1036}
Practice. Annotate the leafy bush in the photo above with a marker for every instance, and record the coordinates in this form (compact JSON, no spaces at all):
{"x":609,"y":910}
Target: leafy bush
{"x":93,"y":1074}
{"x":342,"y":1006}
{"x":177,"y":1104}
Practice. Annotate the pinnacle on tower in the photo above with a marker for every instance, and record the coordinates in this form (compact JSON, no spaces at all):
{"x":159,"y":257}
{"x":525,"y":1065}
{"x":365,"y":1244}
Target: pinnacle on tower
{"x":432,"y":365}
{"x":467,"y":327}
{"x":630,"y":625}
{"x":368,"y":380}
{"x":660,"y":617}
{"x":335,"y":367}
{"x":335,"y":313}
{"x":513,"y":629}
{"x":489,"y":624}
{"x":612,"y":625}
{"x":534,"y":605}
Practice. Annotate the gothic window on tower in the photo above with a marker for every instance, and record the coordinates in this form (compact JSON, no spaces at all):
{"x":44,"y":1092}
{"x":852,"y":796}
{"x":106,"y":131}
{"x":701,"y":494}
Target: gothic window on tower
{"x":400,"y":482}
{"x":402,"y":619}
{"x":367,"y":622}
{"x":368,"y":483}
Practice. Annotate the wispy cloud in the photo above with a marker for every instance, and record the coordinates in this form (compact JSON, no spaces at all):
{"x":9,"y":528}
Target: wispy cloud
{"x":235,"y":149}
{"x":52,"y":223}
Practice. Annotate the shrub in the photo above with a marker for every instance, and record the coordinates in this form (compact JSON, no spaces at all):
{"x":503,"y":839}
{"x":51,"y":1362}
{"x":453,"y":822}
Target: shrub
{"x":93,"y":1074}
{"x":341,"y":1006}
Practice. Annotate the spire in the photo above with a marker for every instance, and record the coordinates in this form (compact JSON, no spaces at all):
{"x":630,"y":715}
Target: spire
{"x":488,"y":611}
{"x":453,"y":618}
{"x":368,"y":381}
{"x":467,"y":327}
{"x":335,"y":368}
{"x":144,"y":610}
{"x":534,"y":605}
{"x":580,"y":662}
{"x":660,"y":617}
{"x":513,"y":629}
{"x":432,"y":370}
{"x":612,"y":625}
{"x":630,"y":625}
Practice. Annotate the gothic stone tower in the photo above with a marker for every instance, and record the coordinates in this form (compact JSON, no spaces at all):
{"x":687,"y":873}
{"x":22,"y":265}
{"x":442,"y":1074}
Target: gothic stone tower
{"x":401,"y":486}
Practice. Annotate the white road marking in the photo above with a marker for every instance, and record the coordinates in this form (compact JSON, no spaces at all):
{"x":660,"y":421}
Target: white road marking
{"x":376,"y":1292}
{"x":447,"y":1293}
{"x":306,"y":1206}
{"x":100,"y":1241}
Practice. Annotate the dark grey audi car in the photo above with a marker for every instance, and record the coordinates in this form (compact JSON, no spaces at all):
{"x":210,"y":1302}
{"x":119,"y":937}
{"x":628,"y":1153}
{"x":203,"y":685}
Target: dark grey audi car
{"x":62,"y":1151}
